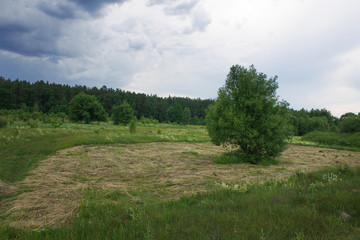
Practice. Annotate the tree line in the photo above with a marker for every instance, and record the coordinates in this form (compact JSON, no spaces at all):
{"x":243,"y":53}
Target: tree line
{"x":54,"y":98}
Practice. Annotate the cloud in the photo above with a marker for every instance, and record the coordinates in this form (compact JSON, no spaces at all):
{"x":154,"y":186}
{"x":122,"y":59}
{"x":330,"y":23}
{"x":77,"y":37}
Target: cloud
{"x":28,"y":39}
{"x":200,"y":19}
{"x":151,"y":3}
{"x":93,"y":6}
{"x":182,"y":8}
{"x":59,"y":10}
{"x":137,"y":43}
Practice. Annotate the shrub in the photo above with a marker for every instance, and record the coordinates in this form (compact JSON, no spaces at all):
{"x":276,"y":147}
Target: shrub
{"x":334,"y":139}
{"x":32,"y":123}
{"x":132,"y":126}
{"x":145,"y":120}
{"x":3,"y":123}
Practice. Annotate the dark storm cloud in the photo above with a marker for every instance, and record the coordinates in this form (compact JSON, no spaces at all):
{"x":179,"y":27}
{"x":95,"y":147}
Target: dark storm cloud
{"x":25,"y":40}
{"x":93,"y":6}
{"x":41,"y":28}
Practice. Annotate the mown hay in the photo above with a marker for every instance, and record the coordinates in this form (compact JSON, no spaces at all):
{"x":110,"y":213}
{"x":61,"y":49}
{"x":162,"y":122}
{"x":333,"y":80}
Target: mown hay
{"x":53,"y":191}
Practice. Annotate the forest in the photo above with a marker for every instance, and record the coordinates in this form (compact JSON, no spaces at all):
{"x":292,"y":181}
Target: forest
{"x":48,"y":97}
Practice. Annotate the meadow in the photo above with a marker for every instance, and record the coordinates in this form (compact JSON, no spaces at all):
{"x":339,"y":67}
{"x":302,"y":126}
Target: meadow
{"x":99,"y":181}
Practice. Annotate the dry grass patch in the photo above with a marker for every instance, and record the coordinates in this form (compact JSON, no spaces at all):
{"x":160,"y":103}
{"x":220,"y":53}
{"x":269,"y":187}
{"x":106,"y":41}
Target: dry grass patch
{"x":53,"y":191}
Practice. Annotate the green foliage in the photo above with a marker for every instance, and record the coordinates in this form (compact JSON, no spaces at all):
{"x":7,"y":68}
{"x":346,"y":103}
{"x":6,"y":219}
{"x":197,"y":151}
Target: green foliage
{"x":334,"y":139}
{"x":197,"y":121}
{"x":247,"y":113}
{"x":174,"y":113}
{"x":32,"y":123}
{"x":122,"y":114}
{"x":56,"y":122}
{"x":186,"y":116}
{"x":3,"y":122}
{"x":316,"y":120}
{"x":349,"y":123}
{"x":48,"y":97}
{"x":145,"y":120}
{"x":132,"y":126}
{"x":85,"y":108}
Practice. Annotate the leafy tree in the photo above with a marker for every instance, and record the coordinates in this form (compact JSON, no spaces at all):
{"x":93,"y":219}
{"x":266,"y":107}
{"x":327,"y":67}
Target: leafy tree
{"x":186,"y":116}
{"x":349,"y":123}
{"x":247,"y":113}
{"x":122,"y":114}
{"x":86,"y":108}
{"x":174,"y":113}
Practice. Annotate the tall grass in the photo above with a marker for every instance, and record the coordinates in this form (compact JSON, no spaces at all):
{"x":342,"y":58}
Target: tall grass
{"x":305,"y":206}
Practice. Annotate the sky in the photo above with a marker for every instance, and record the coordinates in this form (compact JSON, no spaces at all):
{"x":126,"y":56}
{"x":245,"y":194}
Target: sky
{"x":186,"y":47}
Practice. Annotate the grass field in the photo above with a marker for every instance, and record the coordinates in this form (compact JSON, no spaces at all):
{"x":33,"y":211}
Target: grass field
{"x":101,"y":182}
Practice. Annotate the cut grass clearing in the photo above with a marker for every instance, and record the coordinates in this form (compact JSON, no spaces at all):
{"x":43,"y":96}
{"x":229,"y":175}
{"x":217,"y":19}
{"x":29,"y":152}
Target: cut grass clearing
{"x":308,"y":205}
{"x":21,"y":147}
{"x":146,"y":173}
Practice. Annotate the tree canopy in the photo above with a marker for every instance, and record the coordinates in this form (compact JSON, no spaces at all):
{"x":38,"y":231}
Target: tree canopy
{"x":86,"y":108}
{"x":122,"y":114}
{"x":248,"y":114}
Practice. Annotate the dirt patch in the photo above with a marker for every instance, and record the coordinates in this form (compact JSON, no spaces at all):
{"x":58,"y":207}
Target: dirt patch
{"x":53,"y":191}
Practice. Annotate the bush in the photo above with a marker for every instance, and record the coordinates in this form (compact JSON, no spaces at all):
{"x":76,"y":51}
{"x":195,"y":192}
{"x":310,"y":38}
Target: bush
{"x":32,"y":123}
{"x":145,"y":120}
{"x":334,"y":139}
{"x":132,"y":126}
{"x":3,"y":123}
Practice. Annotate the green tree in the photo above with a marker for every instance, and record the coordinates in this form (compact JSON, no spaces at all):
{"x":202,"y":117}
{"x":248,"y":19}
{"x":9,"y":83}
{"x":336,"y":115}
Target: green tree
{"x":86,"y":108}
{"x":186,"y":116}
{"x":174,"y":113}
{"x":122,"y":114}
{"x":349,"y":123}
{"x":247,"y":113}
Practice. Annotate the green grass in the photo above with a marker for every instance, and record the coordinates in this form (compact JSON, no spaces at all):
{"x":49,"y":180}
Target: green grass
{"x":305,"y":206}
{"x":21,"y":147}
{"x":346,"y":141}
{"x":239,"y":157}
